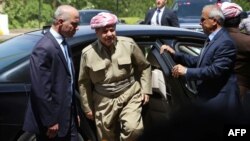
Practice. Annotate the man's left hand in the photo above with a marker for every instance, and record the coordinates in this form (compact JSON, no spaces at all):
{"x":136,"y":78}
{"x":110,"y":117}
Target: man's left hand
{"x":145,"y":98}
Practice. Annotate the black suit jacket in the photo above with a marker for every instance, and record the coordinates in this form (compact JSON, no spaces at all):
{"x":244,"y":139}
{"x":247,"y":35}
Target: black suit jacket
{"x":169,"y":18}
{"x":52,"y":98}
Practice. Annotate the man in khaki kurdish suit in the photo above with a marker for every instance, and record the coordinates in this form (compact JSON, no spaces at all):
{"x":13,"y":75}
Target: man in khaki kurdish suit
{"x":110,"y":94}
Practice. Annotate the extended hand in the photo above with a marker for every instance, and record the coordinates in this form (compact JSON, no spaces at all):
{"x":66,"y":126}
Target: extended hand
{"x":179,"y":70}
{"x":167,"y":48}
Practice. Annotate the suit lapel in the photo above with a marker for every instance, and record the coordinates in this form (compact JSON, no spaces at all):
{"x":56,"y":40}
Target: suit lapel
{"x":210,"y":45}
{"x":60,"y":53}
{"x":151,"y":15}
{"x":163,"y":16}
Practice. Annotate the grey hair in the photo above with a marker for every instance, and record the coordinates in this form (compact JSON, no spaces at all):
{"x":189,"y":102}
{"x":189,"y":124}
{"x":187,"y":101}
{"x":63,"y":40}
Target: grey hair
{"x":62,"y":13}
{"x":216,"y":13}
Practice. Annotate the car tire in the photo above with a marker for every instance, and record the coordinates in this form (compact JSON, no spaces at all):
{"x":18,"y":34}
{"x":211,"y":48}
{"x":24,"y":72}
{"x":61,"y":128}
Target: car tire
{"x":32,"y":137}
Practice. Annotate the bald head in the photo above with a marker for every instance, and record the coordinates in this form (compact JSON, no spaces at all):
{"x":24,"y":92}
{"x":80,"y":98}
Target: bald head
{"x":66,"y":20}
{"x":211,"y":18}
{"x":65,"y":12}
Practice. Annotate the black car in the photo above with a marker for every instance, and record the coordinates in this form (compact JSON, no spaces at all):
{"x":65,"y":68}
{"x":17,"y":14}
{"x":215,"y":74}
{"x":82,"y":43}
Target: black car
{"x":15,"y":80}
{"x":87,"y":14}
{"x":189,"y":12}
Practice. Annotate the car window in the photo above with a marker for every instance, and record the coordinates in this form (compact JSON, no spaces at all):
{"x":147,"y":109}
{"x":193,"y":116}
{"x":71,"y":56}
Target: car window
{"x":192,"y":49}
{"x":188,"y":9}
{"x":86,"y":17}
{"x":145,"y":48}
{"x":13,"y":50}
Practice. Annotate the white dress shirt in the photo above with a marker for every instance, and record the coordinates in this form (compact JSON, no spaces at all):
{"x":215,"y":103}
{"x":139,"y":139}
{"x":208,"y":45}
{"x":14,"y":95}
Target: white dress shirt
{"x":153,"y":19}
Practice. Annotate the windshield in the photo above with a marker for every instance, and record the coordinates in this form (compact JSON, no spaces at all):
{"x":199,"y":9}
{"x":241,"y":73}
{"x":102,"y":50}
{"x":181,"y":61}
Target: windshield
{"x":16,"y":49}
{"x":190,"y":9}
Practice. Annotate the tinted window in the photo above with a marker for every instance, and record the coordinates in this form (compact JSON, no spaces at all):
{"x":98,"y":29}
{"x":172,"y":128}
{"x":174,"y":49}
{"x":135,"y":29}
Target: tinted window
{"x":185,"y":9}
{"x":86,"y":16}
{"x":14,"y":51}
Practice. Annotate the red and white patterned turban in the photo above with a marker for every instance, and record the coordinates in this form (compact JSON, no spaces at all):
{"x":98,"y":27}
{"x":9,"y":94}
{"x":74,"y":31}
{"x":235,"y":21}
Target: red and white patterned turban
{"x":230,"y":10}
{"x":103,"y":19}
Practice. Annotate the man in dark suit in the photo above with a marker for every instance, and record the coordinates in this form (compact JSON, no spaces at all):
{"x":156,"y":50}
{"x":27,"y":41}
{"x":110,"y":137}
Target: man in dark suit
{"x":161,"y":15}
{"x":51,"y":112}
{"x":213,"y":69}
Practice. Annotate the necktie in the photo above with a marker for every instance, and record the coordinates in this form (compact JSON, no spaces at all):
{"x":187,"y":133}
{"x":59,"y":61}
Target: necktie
{"x":203,"y":50}
{"x":157,"y":16}
{"x":65,"y":45}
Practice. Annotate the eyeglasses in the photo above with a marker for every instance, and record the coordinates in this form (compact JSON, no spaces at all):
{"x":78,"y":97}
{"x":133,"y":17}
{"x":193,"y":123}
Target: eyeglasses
{"x":203,"y":19}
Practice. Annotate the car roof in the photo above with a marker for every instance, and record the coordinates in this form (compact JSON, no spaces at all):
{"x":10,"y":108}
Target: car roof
{"x":125,"y":29}
{"x":136,"y":29}
{"x":85,"y":31}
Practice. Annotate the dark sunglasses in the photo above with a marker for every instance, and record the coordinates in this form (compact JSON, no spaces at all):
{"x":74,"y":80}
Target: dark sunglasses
{"x":203,"y":19}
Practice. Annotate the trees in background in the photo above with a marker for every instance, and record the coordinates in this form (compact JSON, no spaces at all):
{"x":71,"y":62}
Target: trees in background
{"x":25,"y":13}
{"x":245,"y":4}
{"x":36,"y":13}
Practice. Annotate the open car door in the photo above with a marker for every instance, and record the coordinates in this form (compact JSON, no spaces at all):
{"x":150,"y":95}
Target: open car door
{"x":179,"y":92}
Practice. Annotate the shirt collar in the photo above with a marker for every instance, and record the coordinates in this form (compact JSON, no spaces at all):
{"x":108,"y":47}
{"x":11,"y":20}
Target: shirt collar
{"x":211,"y":36}
{"x":101,"y":46}
{"x":57,"y":36}
{"x":162,"y":9}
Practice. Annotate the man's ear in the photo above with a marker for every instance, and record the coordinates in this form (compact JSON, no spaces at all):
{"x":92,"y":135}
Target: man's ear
{"x":215,"y":21}
{"x":60,"y":21}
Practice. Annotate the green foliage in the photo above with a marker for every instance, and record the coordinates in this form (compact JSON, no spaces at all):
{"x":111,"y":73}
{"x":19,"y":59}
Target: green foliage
{"x":25,"y":14}
{"x":29,"y":14}
{"x":130,"y":20}
{"x":245,"y":4}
